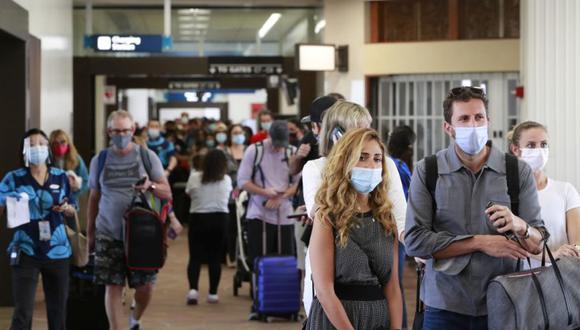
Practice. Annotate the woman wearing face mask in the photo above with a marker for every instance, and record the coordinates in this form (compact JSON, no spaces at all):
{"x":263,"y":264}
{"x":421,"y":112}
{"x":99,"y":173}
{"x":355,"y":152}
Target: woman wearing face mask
{"x":559,"y":200}
{"x":66,"y":157}
{"x":234,"y":153}
{"x":39,"y":246}
{"x":353,"y":248}
{"x":340,"y":118}
{"x":263,"y":123}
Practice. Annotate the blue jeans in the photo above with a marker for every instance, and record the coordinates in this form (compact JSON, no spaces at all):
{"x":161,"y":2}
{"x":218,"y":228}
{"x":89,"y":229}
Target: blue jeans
{"x":439,"y":319}
{"x":402,"y":257}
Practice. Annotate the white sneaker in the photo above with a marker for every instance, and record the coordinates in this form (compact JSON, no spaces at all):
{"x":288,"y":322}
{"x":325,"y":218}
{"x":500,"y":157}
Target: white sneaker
{"x":192,"y":297}
{"x":213,"y":298}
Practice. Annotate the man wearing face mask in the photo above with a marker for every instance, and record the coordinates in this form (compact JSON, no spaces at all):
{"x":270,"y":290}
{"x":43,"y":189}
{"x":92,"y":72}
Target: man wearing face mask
{"x":453,"y":228}
{"x":112,"y":183}
{"x":164,"y":149}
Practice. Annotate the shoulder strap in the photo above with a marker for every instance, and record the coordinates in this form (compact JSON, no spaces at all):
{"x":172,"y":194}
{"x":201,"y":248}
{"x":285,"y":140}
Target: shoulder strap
{"x":289,"y":154}
{"x":257,"y":160}
{"x":102,"y":158}
{"x":431,"y":176}
{"x":513,"y":182}
{"x":145,"y":157}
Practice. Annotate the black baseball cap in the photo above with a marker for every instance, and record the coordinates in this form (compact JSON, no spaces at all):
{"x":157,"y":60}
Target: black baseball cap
{"x":317,"y":108}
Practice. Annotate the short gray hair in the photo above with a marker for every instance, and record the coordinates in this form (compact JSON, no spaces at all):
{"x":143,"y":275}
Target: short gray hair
{"x":346,"y":115}
{"x":119,"y":114}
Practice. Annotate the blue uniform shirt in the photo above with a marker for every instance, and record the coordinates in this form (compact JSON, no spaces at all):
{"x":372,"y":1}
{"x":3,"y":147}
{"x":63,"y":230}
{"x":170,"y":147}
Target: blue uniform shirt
{"x":163,"y":148}
{"x":405,"y":174}
{"x":41,"y":201}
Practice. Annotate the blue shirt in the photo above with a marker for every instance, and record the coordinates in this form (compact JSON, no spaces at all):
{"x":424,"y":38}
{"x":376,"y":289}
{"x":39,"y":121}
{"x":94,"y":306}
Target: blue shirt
{"x":41,"y":200}
{"x":405,"y":174}
{"x":163,"y":148}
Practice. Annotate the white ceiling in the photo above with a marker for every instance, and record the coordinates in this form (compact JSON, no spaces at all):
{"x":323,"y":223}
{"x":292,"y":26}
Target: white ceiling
{"x":222,"y":25}
{"x":206,"y":3}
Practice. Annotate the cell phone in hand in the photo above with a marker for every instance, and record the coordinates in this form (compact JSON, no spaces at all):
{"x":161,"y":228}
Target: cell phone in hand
{"x":297,"y":216}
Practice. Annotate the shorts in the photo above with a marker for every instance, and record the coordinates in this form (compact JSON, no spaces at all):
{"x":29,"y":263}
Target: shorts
{"x":111,"y":268}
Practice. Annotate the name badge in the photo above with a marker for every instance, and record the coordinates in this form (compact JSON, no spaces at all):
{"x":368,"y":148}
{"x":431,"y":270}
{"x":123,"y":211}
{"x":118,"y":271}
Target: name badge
{"x":44,"y":230}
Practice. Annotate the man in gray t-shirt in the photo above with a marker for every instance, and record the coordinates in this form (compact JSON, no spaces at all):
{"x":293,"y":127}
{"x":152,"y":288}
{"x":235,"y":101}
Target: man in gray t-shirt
{"x":111,"y":190}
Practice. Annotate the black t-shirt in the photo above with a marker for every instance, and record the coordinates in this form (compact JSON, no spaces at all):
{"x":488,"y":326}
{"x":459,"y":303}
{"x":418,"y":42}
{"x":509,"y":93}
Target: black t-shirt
{"x":309,"y":138}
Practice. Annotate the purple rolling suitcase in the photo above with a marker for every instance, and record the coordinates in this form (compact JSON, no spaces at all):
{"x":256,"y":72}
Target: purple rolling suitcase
{"x":276,"y":283}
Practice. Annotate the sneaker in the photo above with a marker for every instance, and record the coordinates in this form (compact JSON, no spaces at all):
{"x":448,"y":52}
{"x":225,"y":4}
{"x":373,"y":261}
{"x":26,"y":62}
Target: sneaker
{"x":133,"y":324}
{"x":192,"y":297}
{"x":213,"y":299}
{"x":136,"y":327}
{"x":253,"y":316}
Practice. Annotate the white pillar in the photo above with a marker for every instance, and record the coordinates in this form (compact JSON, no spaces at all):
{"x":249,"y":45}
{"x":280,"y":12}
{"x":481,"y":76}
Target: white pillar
{"x":550,"y":35}
{"x":138,"y":105}
{"x":345,"y":25}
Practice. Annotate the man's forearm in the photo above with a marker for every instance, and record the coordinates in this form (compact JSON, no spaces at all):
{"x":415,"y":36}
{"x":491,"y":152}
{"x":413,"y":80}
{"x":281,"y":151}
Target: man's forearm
{"x":252,"y":188}
{"x":458,"y":248}
{"x":92,"y":211}
{"x":162,"y":190}
{"x":295,"y":165}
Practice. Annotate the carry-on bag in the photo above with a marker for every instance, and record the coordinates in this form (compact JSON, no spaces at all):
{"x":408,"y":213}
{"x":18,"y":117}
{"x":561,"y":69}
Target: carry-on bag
{"x":145,"y":235}
{"x":276,"y":283}
{"x":546,"y":297}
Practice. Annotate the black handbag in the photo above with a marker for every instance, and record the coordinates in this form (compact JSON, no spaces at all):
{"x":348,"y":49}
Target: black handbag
{"x":420,"y":306}
{"x":546,"y":297}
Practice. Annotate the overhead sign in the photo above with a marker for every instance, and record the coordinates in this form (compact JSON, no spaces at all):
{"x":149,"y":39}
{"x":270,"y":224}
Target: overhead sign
{"x":128,"y":43}
{"x":187,"y":85}
{"x":245,"y":68}
{"x":110,"y":95}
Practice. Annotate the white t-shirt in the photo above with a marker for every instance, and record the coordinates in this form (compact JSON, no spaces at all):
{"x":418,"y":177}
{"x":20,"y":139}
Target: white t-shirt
{"x":311,"y":180}
{"x":556,"y":199}
{"x":208,"y":197}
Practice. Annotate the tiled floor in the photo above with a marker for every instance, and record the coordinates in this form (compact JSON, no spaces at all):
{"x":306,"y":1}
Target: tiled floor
{"x":168,"y":309}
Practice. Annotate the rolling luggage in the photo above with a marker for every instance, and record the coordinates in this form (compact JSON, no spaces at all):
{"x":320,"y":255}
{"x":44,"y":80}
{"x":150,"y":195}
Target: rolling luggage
{"x":86,"y":300}
{"x":276,"y":283}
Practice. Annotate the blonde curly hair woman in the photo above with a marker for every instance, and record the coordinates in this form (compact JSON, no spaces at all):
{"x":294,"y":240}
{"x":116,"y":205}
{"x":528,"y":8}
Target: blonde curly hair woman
{"x":353,"y":248}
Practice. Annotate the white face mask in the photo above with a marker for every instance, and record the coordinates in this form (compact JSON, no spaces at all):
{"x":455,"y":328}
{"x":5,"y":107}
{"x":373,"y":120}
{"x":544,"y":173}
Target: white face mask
{"x":471,"y":139}
{"x":536,"y":158}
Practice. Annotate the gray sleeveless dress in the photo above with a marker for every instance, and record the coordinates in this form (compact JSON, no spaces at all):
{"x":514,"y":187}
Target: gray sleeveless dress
{"x":366,"y":259}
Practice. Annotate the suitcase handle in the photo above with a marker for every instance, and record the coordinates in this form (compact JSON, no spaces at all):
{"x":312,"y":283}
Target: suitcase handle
{"x":264,"y":237}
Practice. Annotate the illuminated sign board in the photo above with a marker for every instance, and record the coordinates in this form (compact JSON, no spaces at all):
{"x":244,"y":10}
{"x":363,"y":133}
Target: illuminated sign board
{"x":245,"y":68}
{"x":128,"y":43}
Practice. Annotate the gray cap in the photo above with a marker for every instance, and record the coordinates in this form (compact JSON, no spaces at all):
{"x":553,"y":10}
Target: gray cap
{"x":279,"y":133}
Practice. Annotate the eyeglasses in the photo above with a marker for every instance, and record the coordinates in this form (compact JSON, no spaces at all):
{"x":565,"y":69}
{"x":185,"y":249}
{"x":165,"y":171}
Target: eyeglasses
{"x":125,"y":131}
{"x":458,"y":90}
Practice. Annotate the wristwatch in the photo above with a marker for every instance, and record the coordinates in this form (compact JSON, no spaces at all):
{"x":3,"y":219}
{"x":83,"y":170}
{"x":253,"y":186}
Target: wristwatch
{"x":152,"y":187}
{"x":527,"y":235}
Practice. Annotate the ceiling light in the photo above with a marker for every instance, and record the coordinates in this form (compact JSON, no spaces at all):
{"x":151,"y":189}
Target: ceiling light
{"x":192,"y":26}
{"x":319,"y":26}
{"x":268,"y":24}
{"x":195,"y":11}
{"x":193,"y":18}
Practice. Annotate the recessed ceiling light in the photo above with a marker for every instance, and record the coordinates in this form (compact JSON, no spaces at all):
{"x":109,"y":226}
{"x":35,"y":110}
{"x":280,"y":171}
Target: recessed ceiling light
{"x":192,"y":26}
{"x":268,"y":24}
{"x":196,"y":11}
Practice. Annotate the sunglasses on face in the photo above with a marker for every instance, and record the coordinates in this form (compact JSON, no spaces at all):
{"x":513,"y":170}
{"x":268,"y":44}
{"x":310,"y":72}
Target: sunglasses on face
{"x":458,"y":90}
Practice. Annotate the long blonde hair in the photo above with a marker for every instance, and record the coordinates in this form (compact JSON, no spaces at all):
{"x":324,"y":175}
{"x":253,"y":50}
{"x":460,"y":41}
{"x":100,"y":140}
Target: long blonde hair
{"x":337,"y":199}
{"x":71,"y":158}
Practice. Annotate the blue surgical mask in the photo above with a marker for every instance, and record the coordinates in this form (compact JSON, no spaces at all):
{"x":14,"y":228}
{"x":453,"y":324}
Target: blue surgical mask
{"x":221,"y":137}
{"x":238,"y":138}
{"x":121,"y":141}
{"x":210,"y":143}
{"x":38,"y":155}
{"x":266,"y":126}
{"x":471,"y":139}
{"x":365,"y":180}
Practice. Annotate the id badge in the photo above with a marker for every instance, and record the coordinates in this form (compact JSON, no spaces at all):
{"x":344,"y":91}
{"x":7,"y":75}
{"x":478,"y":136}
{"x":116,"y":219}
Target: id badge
{"x":44,"y":230}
